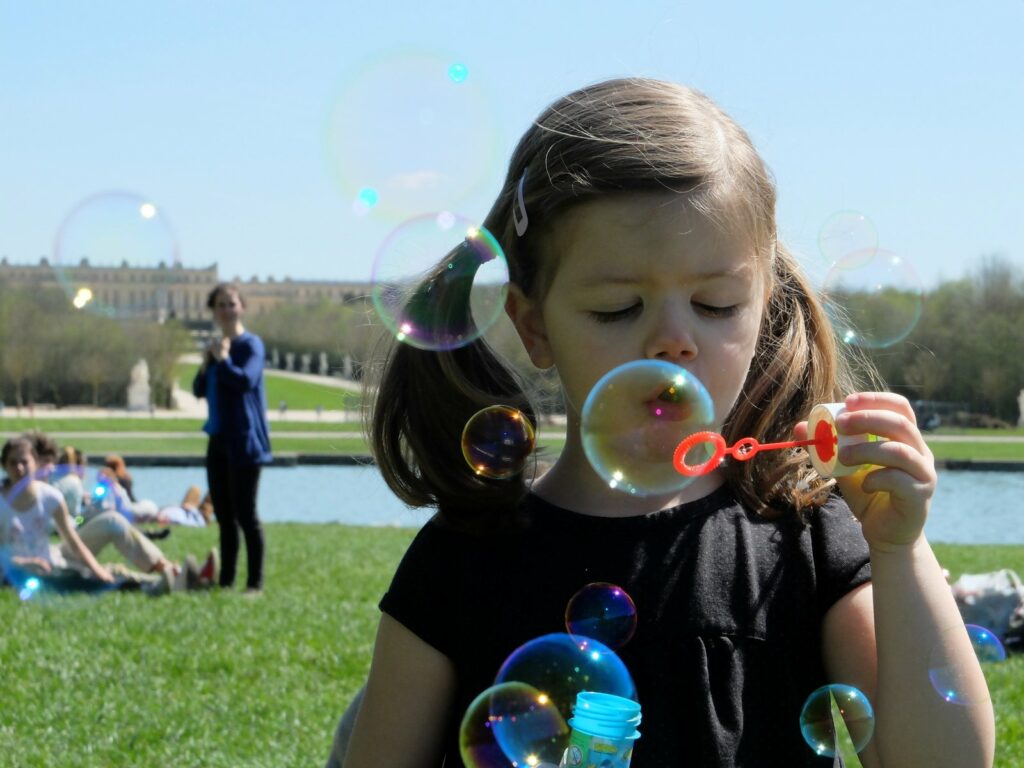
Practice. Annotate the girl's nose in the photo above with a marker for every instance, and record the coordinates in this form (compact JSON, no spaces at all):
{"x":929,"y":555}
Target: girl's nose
{"x":672,"y":337}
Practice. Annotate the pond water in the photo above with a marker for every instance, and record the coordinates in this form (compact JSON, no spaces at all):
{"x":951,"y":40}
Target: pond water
{"x":970,"y":507}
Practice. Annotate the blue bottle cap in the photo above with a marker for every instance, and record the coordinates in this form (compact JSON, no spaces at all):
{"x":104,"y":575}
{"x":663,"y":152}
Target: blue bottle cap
{"x":606,"y":715}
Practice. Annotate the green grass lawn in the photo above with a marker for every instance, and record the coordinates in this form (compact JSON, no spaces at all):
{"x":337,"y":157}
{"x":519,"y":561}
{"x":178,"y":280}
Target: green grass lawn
{"x":125,"y":443}
{"x":300,"y":395}
{"x":219,"y":680}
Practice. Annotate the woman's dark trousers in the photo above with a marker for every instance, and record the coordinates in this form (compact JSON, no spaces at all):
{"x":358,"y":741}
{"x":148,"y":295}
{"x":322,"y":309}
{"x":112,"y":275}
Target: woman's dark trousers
{"x":233,"y":493}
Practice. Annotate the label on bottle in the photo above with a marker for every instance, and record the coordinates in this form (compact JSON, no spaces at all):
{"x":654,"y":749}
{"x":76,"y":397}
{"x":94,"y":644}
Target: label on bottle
{"x":589,"y":751}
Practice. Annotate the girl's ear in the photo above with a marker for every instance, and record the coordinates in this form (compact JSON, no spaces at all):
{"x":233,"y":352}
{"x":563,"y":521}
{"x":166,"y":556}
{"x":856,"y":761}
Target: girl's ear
{"x":526,"y":316}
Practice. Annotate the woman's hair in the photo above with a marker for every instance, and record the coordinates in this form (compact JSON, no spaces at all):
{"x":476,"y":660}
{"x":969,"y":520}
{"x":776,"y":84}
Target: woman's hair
{"x":192,"y":497}
{"x":71,"y":456}
{"x":14,"y":444}
{"x":44,"y":447}
{"x":211,"y":298}
{"x":617,"y":137}
{"x":117,"y":467}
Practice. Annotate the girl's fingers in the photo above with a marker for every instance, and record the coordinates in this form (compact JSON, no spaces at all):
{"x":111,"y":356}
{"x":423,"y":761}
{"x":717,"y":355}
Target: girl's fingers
{"x":898,"y":484}
{"x":892,"y":454}
{"x":883,"y":401}
{"x":891,"y":425}
{"x":800,"y":431}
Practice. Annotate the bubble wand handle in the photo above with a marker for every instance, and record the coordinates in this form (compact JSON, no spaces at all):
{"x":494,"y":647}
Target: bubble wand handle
{"x":743,"y":450}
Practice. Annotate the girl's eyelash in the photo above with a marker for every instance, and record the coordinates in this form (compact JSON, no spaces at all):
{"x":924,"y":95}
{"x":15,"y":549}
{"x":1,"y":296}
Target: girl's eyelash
{"x":619,"y":314}
{"x":713,"y":311}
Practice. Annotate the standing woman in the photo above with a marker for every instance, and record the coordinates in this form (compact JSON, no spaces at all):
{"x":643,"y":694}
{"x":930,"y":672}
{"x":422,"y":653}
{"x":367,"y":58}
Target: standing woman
{"x":231,"y":380}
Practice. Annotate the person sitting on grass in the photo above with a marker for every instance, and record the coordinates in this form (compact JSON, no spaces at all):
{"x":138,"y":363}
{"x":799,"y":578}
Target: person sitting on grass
{"x":27,"y":507}
{"x":195,"y":511}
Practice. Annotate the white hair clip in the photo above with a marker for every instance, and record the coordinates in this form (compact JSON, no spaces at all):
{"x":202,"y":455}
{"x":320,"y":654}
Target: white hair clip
{"x":522,"y":221}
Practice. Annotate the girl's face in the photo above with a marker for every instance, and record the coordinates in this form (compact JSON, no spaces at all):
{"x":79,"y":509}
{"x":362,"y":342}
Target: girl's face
{"x":227,"y":309}
{"x":20,"y":463}
{"x":643,"y":276}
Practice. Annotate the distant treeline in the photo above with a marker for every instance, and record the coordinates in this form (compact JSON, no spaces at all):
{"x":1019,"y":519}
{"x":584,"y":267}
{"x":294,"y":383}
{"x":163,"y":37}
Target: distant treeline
{"x":53,"y":353}
{"x":967,"y":349}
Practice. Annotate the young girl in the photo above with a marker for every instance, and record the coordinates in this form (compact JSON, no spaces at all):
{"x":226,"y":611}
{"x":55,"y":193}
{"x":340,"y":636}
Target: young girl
{"x":231,"y":380}
{"x":639,"y":223}
{"x":29,"y":506}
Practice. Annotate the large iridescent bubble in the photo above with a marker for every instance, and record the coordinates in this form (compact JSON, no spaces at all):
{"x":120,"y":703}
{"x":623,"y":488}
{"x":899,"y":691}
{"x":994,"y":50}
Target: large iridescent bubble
{"x":512,"y":724}
{"x":560,"y":666}
{"x":826,"y":708}
{"x":845,"y":233}
{"x":497,"y":441}
{"x":439,"y":281}
{"x":875,"y":298}
{"x":634,"y":418}
{"x":123,"y":231}
{"x":954,"y":681}
{"x":412,"y":131}
{"x":602,"y":611}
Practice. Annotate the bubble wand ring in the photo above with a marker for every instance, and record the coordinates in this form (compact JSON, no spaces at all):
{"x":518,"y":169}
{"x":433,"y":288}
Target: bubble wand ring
{"x":743,"y":450}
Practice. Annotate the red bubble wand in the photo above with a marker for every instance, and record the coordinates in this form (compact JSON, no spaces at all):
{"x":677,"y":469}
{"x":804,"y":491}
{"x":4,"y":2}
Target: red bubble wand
{"x":746,"y":448}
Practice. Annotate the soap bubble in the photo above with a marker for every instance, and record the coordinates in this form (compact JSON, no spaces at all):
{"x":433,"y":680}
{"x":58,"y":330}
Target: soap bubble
{"x":560,"y":666}
{"x":415,"y":128}
{"x":634,"y":418}
{"x":601,"y":611}
{"x":439,"y":282}
{"x":827,"y":706}
{"x":512,"y":724}
{"x":875,"y":298}
{"x":950,"y":679}
{"x":845,"y":233}
{"x":497,"y":441}
{"x":127,"y":233}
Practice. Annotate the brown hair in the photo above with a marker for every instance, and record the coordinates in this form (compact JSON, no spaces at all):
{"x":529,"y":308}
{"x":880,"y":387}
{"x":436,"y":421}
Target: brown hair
{"x":117,"y":467}
{"x":43,"y":446}
{"x":211,"y":298}
{"x":616,"y":137}
{"x":13,"y":444}
{"x":72,"y":456}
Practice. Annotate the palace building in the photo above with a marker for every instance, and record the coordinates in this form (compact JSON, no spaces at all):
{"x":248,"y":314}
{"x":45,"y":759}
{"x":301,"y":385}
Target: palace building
{"x":163,"y":292}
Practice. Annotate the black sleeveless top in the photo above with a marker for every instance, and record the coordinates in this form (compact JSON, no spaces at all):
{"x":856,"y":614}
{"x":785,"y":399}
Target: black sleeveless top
{"x":729,"y":613}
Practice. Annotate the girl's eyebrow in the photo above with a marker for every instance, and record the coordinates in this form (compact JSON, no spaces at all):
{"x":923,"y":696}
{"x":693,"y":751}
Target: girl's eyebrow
{"x":741,"y":272}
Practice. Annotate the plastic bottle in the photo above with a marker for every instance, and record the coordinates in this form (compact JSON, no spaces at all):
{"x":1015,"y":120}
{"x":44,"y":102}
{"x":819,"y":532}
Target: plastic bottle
{"x":604,"y":727}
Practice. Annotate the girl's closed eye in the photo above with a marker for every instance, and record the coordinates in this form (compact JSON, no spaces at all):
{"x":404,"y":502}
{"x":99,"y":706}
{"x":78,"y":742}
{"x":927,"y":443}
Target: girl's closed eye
{"x":617,"y":314}
{"x":712,"y":310}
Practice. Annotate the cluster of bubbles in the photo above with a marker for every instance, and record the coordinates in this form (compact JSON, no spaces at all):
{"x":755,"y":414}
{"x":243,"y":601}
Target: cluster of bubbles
{"x":121,"y":230}
{"x":875,"y":297}
{"x":633,"y":419}
{"x":522,"y":720}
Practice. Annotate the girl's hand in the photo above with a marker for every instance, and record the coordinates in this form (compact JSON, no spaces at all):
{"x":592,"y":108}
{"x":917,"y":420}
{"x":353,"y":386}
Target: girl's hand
{"x":892,"y":496}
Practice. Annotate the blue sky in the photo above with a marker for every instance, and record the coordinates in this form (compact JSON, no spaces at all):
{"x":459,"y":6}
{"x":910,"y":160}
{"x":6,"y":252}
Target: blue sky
{"x":237,"y":119}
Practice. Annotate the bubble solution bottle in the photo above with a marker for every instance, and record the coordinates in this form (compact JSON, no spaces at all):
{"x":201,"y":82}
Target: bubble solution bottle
{"x":604,"y":727}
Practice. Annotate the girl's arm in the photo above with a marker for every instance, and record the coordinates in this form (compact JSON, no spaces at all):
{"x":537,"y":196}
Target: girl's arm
{"x":406,"y":704}
{"x":912,"y":618}
{"x":68,"y":534}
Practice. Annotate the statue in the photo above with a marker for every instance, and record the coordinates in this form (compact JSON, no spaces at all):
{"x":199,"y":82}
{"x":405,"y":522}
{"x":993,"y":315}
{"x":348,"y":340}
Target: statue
{"x":138,"y":387}
{"x":323,"y":369}
{"x":1020,"y":407}
{"x":346,"y":368}
{"x":304,"y":360}
{"x":289,"y":361}
{"x":275,"y":359}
